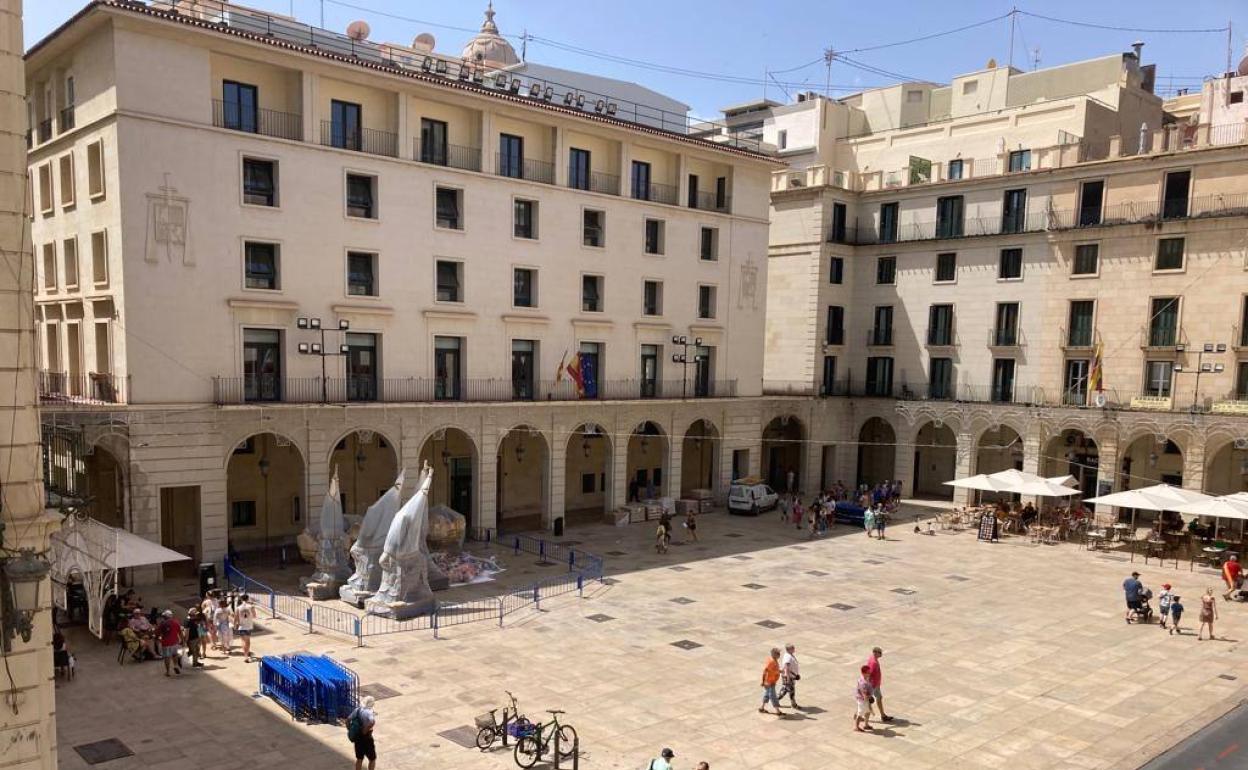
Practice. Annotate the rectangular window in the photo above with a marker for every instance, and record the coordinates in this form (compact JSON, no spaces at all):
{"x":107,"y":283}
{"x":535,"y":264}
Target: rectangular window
{"x":888,"y":222}
{"x":882,"y":329}
{"x":46,"y":203}
{"x":1087,"y":259}
{"x":836,"y":270}
{"x":66,"y":165}
{"x":1241,"y":382}
{"x":949,"y":216}
{"x":262,"y":365}
{"x":693,"y":191}
{"x":1163,"y":322}
{"x":95,"y":169}
{"x":360,"y":196}
{"x":578,"y":168}
{"x":654,"y":236}
{"x":879,"y":376}
{"x":839,"y":220}
{"x":525,"y":219}
{"x":703,"y":365}
{"x":721,"y":193}
{"x":1075,"y":382}
{"x":1014,"y":211}
{"x":240,"y":103}
{"x":1020,"y":160}
{"x":447,"y":368}
{"x":69,"y":257}
{"x":1243,"y":324}
{"x":955,"y":169}
{"x":591,"y":293}
{"x":940,"y":378}
{"x":243,"y":513}
{"x":652,"y":298}
{"x":1175,"y":197}
{"x":433,"y":147}
{"x":49,"y":267}
{"x":1010,"y":264}
{"x":588,"y":483}
{"x":261,"y":265}
{"x":1003,"y":380}
{"x":886,"y":271}
{"x":828,"y":385}
{"x":1169,"y":254}
{"x":1158,"y":376}
{"x":782,"y":140}
{"x":650,"y":370}
{"x":346,"y":125}
{"x":99,"y":258}
{"x":361,"y":367}
{"x":708,"y":245}
{"x":523,"y":287}
{"x":523,"y":369}
{"x":448,"y":207}
{"x":940,"y":325}
{"x":1079,"y":333}
{"x":1006,"y":330}
{"x":259,"y":182}
{"x":449,"y":281}
{"x":1091,"y":198}
{"x":706,"y":302}
{"x":511,"y":156}
{"x":835,"y":334}
{"x":641,"y":180}
{"x":361,"y":274}
{"x":593,"y":228}
{"x":946,"y":267}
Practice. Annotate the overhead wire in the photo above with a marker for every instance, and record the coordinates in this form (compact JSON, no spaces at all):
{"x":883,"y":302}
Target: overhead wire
{"x":1117,"y":28}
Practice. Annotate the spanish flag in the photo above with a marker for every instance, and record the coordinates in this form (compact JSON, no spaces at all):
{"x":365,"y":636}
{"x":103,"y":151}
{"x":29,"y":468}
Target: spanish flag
{"x":573,"y":371}
{"x":1096,"y":376}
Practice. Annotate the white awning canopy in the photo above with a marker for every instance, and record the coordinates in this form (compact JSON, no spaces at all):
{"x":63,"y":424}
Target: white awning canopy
{"x":88,"y":544}
{"x":1228,"y":507}
{"x":1018,"y":482}
{"x":1160,"y":497}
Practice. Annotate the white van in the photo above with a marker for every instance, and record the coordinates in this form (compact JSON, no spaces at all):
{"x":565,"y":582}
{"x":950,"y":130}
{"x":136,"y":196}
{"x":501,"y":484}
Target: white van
{"x":750,"y":495}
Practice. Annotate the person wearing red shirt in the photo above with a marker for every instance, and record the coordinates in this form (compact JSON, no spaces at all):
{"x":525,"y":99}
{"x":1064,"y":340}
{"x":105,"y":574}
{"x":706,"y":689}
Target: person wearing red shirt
{"x":876,"y":677}
{"x":170,"y":632}
{"x":1232,"y":574}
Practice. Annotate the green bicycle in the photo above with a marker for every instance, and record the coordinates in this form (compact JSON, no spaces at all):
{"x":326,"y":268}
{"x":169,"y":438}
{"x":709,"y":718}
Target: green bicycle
{"x":531,"y":747}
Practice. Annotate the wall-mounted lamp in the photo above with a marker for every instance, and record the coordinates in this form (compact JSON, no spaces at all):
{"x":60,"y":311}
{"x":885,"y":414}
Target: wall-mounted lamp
{"x":265,"y":465}
{"x":21,"y":576}
{"x":520,"y":452}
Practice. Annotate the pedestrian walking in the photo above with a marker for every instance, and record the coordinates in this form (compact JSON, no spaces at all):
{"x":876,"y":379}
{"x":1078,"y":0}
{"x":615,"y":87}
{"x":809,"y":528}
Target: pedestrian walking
{"x":771,"y":675}
{"x":1176,"y":613}
{"x":691,"y":526}
{"x":1232,"y":575}
{"x":790,"y":480}
{"x":360,"y":726}
{"x":881,"y":518}
{"x":245,"y":623}
{"x":221,"y":619}
{"x":1208,"y":614}
{"x":1132,"y":588}
{"x":207,"y":610}
{"x":663,"y":535}
{"x":868,"y":519}
{"x":663,"y":761}
{"x":193,"y":634}
{"x":862,"y":700}
{"x":876,"y":677}
{"x":790,"y":672}
{"x":797,"y":513}
{"x":169,"y":631}
{"x":1164,"y":600}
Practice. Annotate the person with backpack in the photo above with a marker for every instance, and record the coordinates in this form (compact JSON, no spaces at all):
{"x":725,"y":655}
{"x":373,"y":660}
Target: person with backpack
{"x":360,"y":726}
{"x":663,"y":761}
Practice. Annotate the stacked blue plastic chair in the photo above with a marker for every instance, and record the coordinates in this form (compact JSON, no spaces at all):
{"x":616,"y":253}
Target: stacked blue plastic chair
{"x":313,"y":687}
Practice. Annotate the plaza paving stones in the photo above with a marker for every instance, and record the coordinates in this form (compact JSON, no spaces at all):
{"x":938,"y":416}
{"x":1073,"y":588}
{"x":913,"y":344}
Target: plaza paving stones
{"x":379,"y":691}
{"x":103,"y":751}
{"x":685,"y":644}
{"x":464,"y":735}
{"x":816,"y":573}
{"x":987,"y":673}
{"x":599,"y":618}
{"x":754,"y":586}
{"x":769,"y":624}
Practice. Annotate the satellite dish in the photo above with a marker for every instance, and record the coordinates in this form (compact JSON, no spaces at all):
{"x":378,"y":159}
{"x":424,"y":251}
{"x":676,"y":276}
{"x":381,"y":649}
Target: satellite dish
{"x":358,"y":30}
{"x":424,"y":42}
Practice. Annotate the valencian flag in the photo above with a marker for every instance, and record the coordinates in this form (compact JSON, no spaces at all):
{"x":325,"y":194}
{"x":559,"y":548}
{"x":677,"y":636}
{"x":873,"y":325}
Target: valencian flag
{"x":572,"y":370}
{"x":1096,"y":377}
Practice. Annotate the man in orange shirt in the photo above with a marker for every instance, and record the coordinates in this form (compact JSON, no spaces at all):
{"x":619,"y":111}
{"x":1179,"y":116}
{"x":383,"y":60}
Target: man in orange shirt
{"x":771,"y":675}
{"x":1232,"y":574}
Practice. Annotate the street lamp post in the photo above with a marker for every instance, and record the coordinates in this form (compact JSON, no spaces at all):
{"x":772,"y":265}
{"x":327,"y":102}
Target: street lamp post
{"x":1209,"y":348}
{"x":685,"y":360}
{"x":319,"y":348}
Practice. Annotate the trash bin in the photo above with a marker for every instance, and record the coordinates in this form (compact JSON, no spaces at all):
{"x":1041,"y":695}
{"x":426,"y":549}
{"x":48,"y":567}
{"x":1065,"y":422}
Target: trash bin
{"x":559,"y":526}
{"x":207,"y":577}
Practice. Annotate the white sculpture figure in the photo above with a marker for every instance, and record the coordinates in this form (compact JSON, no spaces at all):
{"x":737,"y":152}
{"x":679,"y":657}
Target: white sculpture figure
{"x":331,"y":549}
{"x":364,"y":581}
{"x":404,"y":590}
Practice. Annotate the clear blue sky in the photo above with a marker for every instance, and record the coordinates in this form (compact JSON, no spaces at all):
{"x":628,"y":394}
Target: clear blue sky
{"x":746,"y":39}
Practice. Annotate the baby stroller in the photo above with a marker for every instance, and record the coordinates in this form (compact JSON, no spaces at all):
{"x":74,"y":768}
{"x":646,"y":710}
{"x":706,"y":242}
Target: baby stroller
{"x":1144,"y":613}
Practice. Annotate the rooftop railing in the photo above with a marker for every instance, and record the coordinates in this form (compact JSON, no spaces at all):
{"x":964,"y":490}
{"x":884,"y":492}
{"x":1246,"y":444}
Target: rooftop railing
{"x":524,"y":168}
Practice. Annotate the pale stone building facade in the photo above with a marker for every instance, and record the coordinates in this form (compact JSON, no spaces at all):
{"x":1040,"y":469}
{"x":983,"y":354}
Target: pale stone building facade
{"x":268,"y":251}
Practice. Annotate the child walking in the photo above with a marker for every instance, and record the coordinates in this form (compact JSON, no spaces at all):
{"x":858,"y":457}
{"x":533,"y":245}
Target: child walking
{"x":1176,"y":612}
{"x":1163,"y":604}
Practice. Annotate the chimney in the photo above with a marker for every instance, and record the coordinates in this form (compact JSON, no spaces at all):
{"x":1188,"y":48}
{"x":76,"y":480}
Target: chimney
{"x":1137,"y":46}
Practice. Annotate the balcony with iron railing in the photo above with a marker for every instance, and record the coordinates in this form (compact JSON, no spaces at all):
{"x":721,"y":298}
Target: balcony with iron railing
{"x":710,"y":201}
{"x":448,"y":155}
{"x":317,"y":390}
{"x":1077,"y":339}
{"x":280,"y":125}
{"x":880,"y":336}
{"x":1005,"y":337}
{"x":596,"y":181}
{"x":366,"y":140}
{"x":657,"y":193}
{"x":43,"y":131}
{"x":524,"y":168}
{"x":57,"y":389}
{"x":1159,"y":338}
{"x":942,"y":337}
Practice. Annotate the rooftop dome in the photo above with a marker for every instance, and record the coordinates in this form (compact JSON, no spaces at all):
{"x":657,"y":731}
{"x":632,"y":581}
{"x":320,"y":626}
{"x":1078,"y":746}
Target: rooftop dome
{"x":489,"y":47}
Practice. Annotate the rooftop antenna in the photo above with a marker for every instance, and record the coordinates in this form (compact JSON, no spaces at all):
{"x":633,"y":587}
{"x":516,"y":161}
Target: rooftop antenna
{"x":828,"y":55}
{"x":1013,"y":17}
{"x":1035,"y":58}
{"x":524,"y":44}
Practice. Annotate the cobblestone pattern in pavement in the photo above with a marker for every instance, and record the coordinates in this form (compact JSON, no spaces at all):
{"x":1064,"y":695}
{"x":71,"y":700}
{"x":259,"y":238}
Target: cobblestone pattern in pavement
{"x":996,"y":655}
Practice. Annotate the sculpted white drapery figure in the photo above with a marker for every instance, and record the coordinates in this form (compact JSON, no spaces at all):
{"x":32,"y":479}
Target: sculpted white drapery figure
{"x":331,"y":551}
{"x":404,"y":589}
{"x":368,"y":545}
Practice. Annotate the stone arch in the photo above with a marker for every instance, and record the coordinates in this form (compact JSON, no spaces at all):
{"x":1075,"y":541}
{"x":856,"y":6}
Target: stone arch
{"x":455,"y":458}
{"x":1226,"y":468}
{"x":242,"y":436}
{"x":877,"y":451}
{"x":784,"y":452}
{"x":588,"y":460}
{"x":367,"y":463}
{"x":935,"y":460}
{"x":646,"y":462}
{"x":699,"y":457}
{"x":1074,"y":451}
{"x":998,"y":448}
{"x":107,"y":476}
{"x":266,"y":491}
{"x":1150,"y":458}
{"x":522,"y":487}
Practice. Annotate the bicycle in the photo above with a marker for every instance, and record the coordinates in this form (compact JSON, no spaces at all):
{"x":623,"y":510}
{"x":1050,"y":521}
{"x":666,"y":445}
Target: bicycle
{"x":489,"y":729}
{"x":531,"y":747}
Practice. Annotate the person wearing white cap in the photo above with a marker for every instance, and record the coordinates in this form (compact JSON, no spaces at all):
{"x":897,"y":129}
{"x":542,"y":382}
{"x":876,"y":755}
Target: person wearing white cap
{"x":663,"y":761}
{"x":360,"y":730}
